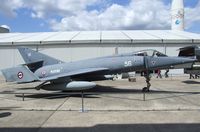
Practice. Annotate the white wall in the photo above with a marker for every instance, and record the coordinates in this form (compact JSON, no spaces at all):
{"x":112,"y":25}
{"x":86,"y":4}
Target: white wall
{"x":9,"y":56}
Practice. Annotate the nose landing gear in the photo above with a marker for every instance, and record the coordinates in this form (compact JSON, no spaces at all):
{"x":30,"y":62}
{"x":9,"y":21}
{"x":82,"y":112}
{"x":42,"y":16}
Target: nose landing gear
{"x":147,"y":75}
{"x":146,"y":89}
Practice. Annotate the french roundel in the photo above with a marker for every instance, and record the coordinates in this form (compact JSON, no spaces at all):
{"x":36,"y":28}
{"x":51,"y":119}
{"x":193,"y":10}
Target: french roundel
{"x":20,"y":75}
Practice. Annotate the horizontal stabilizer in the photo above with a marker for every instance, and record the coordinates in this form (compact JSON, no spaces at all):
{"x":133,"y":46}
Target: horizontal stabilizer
{"x":20,"y":74}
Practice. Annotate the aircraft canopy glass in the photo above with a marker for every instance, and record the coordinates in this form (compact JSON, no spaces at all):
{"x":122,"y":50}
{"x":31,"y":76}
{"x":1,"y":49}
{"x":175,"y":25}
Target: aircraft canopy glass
{"x":149,"y":52}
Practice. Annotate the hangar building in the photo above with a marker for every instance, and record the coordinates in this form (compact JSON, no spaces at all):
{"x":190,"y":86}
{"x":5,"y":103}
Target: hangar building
{"x":77,"y":45}
{"x":3,"y":29}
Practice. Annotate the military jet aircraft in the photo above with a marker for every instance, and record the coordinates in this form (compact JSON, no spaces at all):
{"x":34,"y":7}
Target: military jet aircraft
{"x":58,"y":75}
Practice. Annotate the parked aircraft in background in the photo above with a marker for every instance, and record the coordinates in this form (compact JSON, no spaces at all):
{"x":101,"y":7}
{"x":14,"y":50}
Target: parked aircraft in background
{"x":191,"y":51}
{"x":58,"y":75}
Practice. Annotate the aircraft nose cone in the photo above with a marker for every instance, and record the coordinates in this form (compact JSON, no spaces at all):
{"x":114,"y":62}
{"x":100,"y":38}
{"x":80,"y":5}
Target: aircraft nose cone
{"x":188,"y":60}
{"x":165,"y":62}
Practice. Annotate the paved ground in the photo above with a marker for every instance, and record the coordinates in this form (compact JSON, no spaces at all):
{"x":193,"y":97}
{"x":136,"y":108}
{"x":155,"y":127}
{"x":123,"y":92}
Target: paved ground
{"x":172,"y":105}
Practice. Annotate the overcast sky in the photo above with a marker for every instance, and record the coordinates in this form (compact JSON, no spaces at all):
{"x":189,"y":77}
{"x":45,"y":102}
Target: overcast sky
{"x":70,"y":15}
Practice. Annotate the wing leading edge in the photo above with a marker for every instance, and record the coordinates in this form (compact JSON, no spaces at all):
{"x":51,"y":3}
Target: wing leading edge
{"x":22,"y":74}
{"x":75,"y":73}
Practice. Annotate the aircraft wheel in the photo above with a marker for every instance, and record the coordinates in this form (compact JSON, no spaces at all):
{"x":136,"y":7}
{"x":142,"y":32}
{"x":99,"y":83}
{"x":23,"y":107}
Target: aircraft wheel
{"x":37,"y":88}
{"x":145,"y":89}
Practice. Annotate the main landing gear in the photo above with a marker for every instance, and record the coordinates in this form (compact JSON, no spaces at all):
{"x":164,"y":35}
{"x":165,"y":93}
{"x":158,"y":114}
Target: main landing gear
{"x":148,"y":78}
{"x":40,"y":85}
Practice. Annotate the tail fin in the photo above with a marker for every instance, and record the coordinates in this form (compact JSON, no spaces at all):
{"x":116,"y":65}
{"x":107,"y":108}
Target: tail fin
{"x":190,"y":51}
{"x":31,"y":56}
{"x":20,"y":74}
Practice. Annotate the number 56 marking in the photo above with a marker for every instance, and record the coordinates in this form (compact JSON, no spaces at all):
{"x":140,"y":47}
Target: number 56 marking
{"x":127,"y":63}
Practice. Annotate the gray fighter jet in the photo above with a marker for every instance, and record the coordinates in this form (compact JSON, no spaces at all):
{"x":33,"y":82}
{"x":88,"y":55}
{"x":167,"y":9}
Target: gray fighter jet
{"x":58,"y":75}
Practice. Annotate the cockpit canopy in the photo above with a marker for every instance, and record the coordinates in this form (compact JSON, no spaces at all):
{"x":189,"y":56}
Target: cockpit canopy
{"x":149,"y":52}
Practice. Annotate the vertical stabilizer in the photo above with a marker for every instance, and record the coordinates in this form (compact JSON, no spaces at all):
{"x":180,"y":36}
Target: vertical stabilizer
{"x":177,"y":15}
{"x":31,"y":56}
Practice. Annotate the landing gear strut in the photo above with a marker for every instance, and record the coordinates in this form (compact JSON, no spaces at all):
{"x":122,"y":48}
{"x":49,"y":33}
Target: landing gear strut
{"x":147,"y":77}
{"x":40,"y":85}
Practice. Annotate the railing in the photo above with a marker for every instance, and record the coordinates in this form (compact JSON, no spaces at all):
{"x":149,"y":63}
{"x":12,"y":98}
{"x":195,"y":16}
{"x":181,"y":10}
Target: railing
{"x":82,"y":93}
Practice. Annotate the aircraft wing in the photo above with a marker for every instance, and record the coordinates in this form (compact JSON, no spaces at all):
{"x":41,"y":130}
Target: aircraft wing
{"x":19,"y":74}
{"x":74,"y":73}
